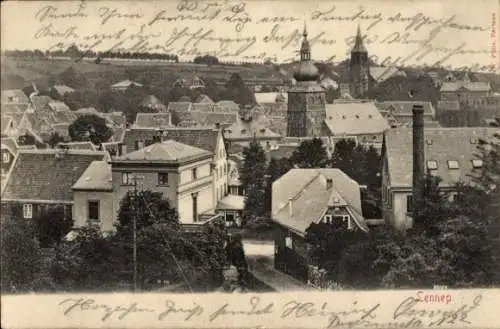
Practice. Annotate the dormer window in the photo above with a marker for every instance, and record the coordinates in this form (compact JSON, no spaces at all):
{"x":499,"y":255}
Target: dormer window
{"x":432,"y":165}
{"x":477,"y":163}
{"x":453,"y":164}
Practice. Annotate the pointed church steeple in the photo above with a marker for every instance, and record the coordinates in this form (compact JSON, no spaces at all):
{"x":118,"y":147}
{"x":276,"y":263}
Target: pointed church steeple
{"x":305,"y":49}
{"x":359,"y":46}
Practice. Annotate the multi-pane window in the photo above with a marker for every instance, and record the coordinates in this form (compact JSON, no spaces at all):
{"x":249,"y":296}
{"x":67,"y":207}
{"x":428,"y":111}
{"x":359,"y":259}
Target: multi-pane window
{"x":162,"y":178}
{"x":93,"y":210}
{"x":477,"y":163}
{"x":432,"y":165}
{"x":127,"y":178}
{"x":194,"y":173}
{"x":453,"y":164}
{"x":5,"y":157}
{"x":28,"y":211}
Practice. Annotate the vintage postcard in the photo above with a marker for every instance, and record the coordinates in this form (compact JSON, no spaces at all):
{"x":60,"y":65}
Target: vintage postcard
{"x":250,"y":164}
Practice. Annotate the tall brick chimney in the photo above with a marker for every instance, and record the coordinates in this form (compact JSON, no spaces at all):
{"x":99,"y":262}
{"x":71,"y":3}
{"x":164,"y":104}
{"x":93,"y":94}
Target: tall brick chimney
{"x":418,"y":155}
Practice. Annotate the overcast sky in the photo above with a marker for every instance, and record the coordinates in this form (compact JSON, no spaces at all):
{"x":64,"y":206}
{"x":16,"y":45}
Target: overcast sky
{"x":34,"y":25}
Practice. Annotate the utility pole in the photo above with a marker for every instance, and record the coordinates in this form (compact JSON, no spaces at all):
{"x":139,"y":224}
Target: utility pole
{"x":134,"y":230}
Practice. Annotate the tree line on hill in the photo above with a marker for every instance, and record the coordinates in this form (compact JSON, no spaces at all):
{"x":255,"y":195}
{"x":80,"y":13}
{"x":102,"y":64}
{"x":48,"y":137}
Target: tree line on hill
{"x":454,"y":242}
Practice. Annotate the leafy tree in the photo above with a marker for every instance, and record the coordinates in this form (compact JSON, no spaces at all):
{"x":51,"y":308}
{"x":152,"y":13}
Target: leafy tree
{"x":310,"y":154}
{"x":252,"y":177}
{"x":236,"y":90}
{"x":207,"y":59}
{"x":88,"y":262}
{"x":432,"y":209}
{"x":149,"y":208}
{"x":52,"y":226}
{"x":20,"y":255}
{"x":90,"y":127}
{"x":74,"y":79}
{"x":465,"y":256}
{"x":80,"y":99}
{"x":55,"y":139}
{"x":26,"y":140}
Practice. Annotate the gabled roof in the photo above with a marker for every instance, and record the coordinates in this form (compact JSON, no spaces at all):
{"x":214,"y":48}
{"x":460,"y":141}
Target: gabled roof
{"x":117,"y":118}
{"x":354,"y":119}
{"x":13,"y":96}
{"x":206,"y":119}
{"x":466,"y":85}
{"x":62,"y":129}
{"x":96,"y":177}
{"x":228,"y":106}
{"x":46,"y":175}
{"x":262,"y":98}
{"x":203,"y":138}
{"x":203,"y":99}
{"x":58,"y":106}
{"x":152,"y":102}
{"x":246,"y":130}
{"x":6,"y":122}
{"x":311,"y":197}
{"x":179,"y":107}
{"x":156,"y":120}
{"x":169,"y":151}
{"x":441,"y":145}
{"x":205,"y":107}
{"x":404,"y":108}
{"x":125,"y":84}
{"x":78,"y":146}
{"x":40,"y":102}
{"x":63,"y":89}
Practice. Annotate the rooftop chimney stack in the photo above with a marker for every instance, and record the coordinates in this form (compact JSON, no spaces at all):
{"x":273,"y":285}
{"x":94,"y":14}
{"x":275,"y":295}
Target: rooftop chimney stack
{"x":290,"y":208}
{"x":418,"y":155}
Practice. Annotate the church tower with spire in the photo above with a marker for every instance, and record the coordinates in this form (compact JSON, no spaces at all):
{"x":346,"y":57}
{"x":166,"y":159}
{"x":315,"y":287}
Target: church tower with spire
{"x":359,"y":68}
{"x":306,"y":100}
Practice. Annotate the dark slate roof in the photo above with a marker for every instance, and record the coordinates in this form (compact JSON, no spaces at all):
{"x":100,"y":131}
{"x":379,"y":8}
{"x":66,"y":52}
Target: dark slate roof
{"x":246,"y":130}
{"x":78,"y":146}
{"x":179,"y":106}
{"x":404,"y":108}
{"x":203,"y":138}
{"x":13,"y":96}
{"x":166,"y":151}
{"x":47,"y":175}
{"x":156,"y":120}
{"x":311,"y":197}
{"x":200,"y":118}
{"x":441,"y":145}
{"x":96,"y":177}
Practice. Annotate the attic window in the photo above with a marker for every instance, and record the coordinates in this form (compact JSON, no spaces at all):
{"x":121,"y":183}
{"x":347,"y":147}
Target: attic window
{"x":243,"y":131}
{"x":357,"y":116}
{"x":453,"y":164}
{"x":263,"y":130}
{"x":428,"y":141}
{"x":330,"y":118}
{"x":477,"y":163}
{"x":370,"y":116}
{"x":432,"y":165}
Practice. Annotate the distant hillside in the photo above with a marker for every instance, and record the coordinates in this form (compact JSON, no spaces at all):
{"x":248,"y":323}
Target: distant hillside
{"x":16,"y":71}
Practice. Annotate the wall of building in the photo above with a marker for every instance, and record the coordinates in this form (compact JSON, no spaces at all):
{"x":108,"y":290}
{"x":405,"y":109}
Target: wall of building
{"x":185,"y":203}
{"x":107,"y":209}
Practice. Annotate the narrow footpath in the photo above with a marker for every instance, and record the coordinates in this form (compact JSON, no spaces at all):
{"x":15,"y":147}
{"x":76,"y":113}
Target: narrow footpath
{"x":260,"y":259}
